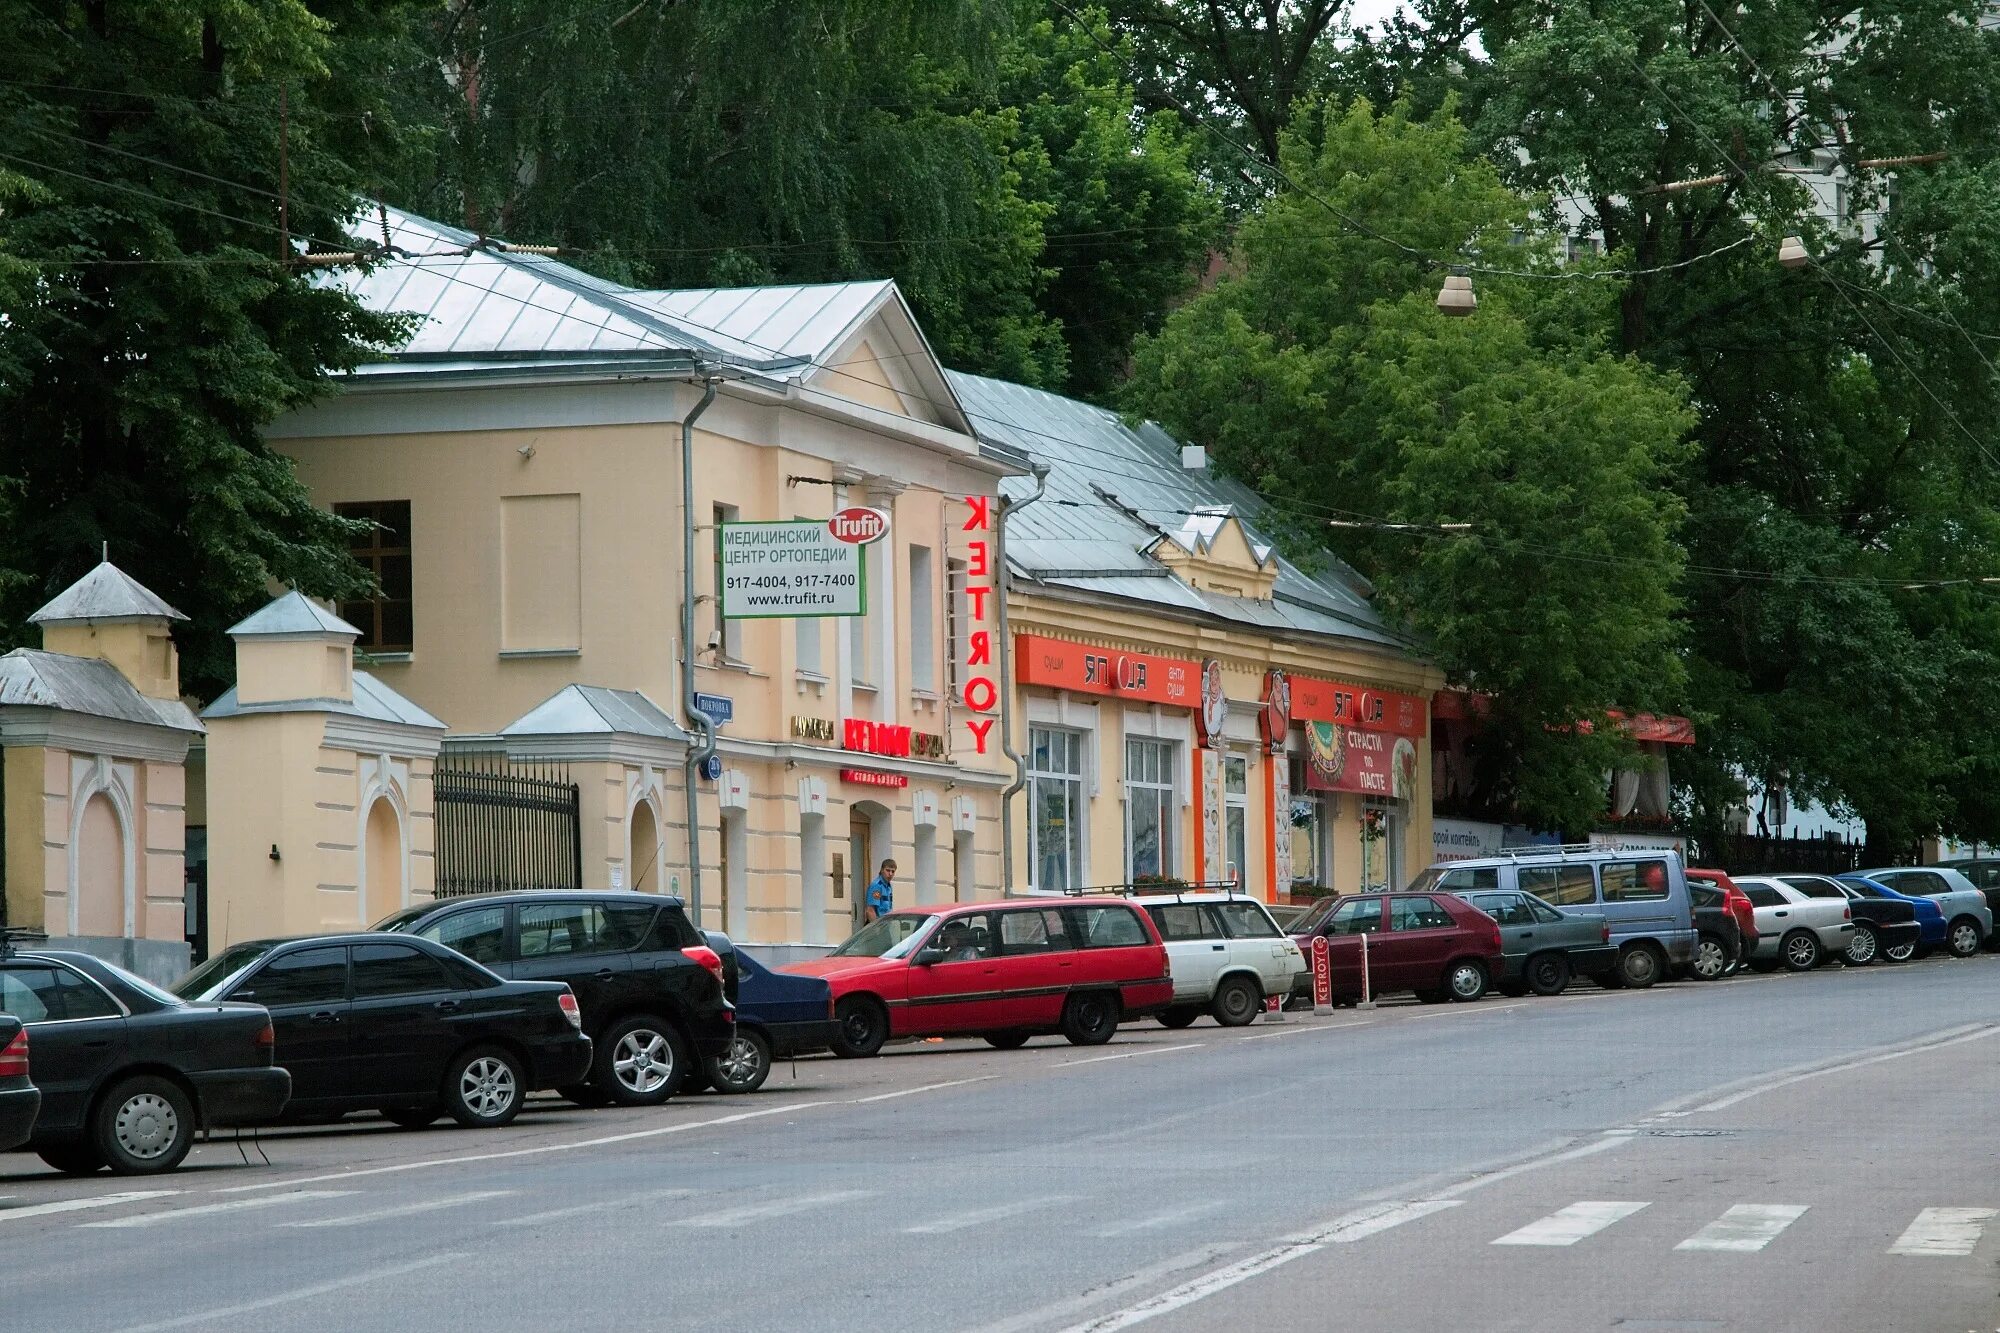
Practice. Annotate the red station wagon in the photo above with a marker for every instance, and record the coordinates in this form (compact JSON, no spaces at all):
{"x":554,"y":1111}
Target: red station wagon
{"x":1435,"y":944}
{"x":1003,"y":971}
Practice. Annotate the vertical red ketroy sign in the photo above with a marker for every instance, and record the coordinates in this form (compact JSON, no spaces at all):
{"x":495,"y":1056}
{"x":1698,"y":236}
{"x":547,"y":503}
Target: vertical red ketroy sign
{"x":982,"y":691}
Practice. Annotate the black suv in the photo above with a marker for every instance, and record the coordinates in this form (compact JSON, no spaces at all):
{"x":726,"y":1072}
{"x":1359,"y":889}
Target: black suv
{"x":652,"y":990}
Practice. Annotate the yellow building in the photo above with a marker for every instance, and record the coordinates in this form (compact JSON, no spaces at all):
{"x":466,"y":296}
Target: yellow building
{"x":1188,"y":703}
{"x":519,"y":461}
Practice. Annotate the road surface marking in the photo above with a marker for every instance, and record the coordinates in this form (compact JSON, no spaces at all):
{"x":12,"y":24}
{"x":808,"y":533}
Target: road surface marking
{"x":1158,"y":1220}
{"x":575,"y":1210}
{"x":210,"y":1209}
{"x":526,"y":1152}
{"x":1373,"y":1221}
{"x":301,"y":1294}
{"x":1604,"y":1143}
{"x":759,"y":1212}
{"x":1068,"y":1306}
{"x":1127,"y":1055}
{"x":1745,"y":1228}
{"x":981,"y":1216}
{"x":911,"y":1092}
{"x":1951,"y":1037}
{"x":77,"y":1205}
{"x":1944,"y":1232}
{"x":402,"y":1210}
{"x":1567,"y":1226}
{"x":1294,"y":1032}
{"x":1482,"y":1009}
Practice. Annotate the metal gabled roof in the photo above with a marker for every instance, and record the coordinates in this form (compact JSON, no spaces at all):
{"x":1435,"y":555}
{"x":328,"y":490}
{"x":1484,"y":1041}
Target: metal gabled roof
{"x":372,"y":700}
{"x":35,"y":678}
{"x":1114,"y":490}
{"x":292,"y":614}
{"x":105,"y":593}
{"x":585,"y":710}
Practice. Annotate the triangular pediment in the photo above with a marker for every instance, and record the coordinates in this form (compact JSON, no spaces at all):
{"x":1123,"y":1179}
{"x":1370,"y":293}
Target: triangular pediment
{"x":1213,"y":551}
{"x":883,"y":361}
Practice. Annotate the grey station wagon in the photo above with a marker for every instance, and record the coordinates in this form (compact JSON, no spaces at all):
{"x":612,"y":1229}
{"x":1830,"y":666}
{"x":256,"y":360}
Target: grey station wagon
{"x":1540,"y":948}
{"x":1642,"y":895}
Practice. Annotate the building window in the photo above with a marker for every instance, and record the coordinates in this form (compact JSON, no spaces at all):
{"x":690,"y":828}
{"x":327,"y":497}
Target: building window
{"x":1236,"y":815}
{"x":957,"y":626}
{"x":541,"y":573}
{"x":728,"y":634}
{"x":385,"y":619}
{"x":923,"y":621}
{"x":1149,"y":807}
{"x":1055,"y":796}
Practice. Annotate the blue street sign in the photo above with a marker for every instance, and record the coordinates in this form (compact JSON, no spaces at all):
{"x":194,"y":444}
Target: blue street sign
{"x":711,"y":767}
{"x":719,"y":707}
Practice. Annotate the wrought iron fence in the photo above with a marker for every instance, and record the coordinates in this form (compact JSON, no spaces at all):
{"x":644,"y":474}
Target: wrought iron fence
{"x":1749,"y":854}
{"x":503,"y":826}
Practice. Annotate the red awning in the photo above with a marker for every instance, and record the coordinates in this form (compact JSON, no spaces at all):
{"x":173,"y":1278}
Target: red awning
{"x":1659,"y":728}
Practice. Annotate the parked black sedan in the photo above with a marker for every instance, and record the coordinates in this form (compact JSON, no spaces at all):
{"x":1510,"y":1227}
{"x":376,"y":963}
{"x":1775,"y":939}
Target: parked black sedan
{"x":20,"y":1099}
{"x":401,"y":1025}
{"x":129,"y":1074}
{"x":1880,"y":924}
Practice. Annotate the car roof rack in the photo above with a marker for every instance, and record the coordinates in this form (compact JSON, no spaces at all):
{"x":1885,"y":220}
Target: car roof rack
{"x":1227,"y":888}
{"x":1572,"y":849}
{"x":13,"y":939}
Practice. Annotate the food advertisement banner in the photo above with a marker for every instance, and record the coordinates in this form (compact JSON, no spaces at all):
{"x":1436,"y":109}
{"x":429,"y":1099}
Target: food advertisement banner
{"x":1147,"y":677}
{"x":1315,"y":700}
{"x":1349,"y":759}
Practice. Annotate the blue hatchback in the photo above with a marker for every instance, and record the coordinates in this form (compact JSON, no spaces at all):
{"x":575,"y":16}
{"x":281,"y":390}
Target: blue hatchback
{"x":1930,"y":917}
{"x":777,"y":1014}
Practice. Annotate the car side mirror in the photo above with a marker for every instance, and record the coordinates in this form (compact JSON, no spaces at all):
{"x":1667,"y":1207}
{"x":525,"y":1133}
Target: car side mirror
{"x":926,"y":956}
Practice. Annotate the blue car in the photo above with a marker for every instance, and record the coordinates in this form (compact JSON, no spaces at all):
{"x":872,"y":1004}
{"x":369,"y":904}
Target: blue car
{"x":777,"y":1015}
{"x":1931,"y":925}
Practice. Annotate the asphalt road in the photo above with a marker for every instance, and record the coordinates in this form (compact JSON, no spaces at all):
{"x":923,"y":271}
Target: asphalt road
{"x":1773,"y":1153}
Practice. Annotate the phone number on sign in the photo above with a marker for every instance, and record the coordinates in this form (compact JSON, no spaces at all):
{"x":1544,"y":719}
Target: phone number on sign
{"x":800,"y":580}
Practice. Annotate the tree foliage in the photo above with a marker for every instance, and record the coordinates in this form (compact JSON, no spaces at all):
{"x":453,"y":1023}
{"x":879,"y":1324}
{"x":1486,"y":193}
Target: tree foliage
{"x":150,"y":329}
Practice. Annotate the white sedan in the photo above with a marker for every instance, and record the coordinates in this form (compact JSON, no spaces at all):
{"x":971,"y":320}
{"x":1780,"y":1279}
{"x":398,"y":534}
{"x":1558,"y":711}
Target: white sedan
{"x":1793,"y":928}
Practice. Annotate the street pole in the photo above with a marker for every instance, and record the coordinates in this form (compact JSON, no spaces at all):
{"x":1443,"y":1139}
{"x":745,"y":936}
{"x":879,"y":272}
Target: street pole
{"x":703,"y":724}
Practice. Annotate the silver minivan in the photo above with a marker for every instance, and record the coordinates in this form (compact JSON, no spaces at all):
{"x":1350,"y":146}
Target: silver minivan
{"x":1643,"y":893}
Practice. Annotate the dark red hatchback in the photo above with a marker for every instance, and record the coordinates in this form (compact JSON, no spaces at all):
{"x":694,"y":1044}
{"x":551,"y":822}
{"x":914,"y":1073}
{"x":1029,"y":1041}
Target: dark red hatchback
{"x":1434,"y":944}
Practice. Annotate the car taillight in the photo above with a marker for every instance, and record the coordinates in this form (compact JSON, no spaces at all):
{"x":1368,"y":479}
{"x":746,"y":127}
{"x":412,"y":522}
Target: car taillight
{"x":14,"y":1057}
{"x":1606,"y":932}
{"x":708,"y":958}
{"x":267,"y":1037}
{"x":567,"y":1002}
{"x":1847,"y":914}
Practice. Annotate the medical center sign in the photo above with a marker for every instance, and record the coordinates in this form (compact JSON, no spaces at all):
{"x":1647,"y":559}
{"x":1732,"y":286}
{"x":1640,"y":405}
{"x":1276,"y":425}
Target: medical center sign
{"x":799,"y":568}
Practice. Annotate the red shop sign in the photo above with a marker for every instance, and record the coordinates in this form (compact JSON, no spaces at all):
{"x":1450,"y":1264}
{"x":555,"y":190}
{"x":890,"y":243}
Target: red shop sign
{"x":1322,"y":972}
{"x":868,"y":777}
{"x":1059,"y":665}
{"x":1350,"y":759}
{"x":1315,"y":700}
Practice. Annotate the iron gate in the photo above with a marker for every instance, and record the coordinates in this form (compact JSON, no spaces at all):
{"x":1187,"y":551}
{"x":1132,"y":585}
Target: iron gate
{"x":504,"y":826}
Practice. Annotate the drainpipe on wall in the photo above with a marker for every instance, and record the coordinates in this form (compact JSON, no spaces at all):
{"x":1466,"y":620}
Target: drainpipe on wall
{"x":1007,"y":510}
{"x":702,"y":723}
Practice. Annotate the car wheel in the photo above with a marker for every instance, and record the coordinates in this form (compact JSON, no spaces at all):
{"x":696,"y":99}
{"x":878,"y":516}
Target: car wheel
{"x":1237,"y":1001}
{"x":1640,"y":966}
{"x":72,"y":1159}
{"x":1901,"y":953}
{"x":1963,"y":938}
{"x":744,"y":1066}
{"x":484,"y":1088}
{"x":583,"y":1094}
{"x":1711,"y":960}
{"x":864,"y":1026}
{"x":1466,"y":981}
{"x":1179,"y":1017}
{"x":142,"y":1126}
{"x":412,"y":1117}
{"x":1548,"y":974}
{"x":1800,"y":950}
{"x":1862,"y":948}
{"x":1090,"y":1018}
{"x":640,"y":1061}
{"x":1006,"y":1041}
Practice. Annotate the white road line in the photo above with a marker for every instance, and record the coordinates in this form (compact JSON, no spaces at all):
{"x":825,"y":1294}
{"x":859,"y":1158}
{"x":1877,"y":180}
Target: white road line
{"x":1567,"y":1226}
{"x":1373,"y":1221}
{"x":1464,"y":1012}
{"x":1745,"y":1228}
{"x":1295,"y":1032}
{"x":576,"y":1210}
{"x":1068,"y":1306}
{"x":1127,"y":1055}
{"x":78,"y":1205}
{"x":759,"y":1212}
{"x":401,"y":1210}
{"x":1159,"y":1220}
{"x":300,"y":1294}
{"x":981,"y":1216}
{"x":911,"y":1092}
{"x":210,"y":1209}
{"x":1608,"y":1141}
{"x":1944,"y":1232}
{"x":526,"y":1152}
{"x":1941,"y":1041}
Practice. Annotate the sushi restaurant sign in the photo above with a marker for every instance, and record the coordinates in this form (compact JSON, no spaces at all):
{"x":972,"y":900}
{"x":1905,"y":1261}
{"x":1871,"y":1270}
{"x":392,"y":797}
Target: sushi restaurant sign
{"x":1358,"y":739}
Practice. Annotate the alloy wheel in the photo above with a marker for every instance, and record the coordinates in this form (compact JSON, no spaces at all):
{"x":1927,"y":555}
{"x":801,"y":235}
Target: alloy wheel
{"x":1965,"y":939}
{"x":740,"y":1061}
{"x":1801,"y":952}
{"x":487,"y":1087}
{"x":147,"y":1126}
{"x":1861,"y":949}
{"x":1710,"y":961}
{"x":643,"y":1061}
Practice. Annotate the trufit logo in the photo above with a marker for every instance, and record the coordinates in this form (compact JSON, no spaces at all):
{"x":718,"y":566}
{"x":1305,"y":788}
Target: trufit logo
{"x":858,"y":525}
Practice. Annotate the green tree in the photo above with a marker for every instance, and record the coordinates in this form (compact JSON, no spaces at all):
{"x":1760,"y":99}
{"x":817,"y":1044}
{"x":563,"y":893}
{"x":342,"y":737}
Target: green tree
{"x":1322,"y":373}
{"x":151,"y":327}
